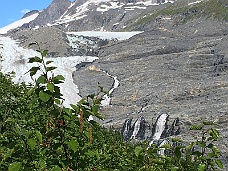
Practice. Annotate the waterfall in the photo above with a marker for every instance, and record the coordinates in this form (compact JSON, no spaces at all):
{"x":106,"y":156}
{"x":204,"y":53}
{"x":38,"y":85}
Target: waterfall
{"x":126,"y":130}
{"x":159,"y":127}
{"x":139,"y":129}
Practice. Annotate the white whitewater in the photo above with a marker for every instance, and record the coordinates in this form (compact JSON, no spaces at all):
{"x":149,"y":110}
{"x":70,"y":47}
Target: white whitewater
{"x":160,"y":127}
{"x":126,"y":129}
{"x":106,"y":98}
{"x":137,"y":127}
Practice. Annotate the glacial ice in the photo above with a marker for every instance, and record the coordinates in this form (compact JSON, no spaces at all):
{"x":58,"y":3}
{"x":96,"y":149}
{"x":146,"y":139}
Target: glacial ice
{"x":15,"y":58}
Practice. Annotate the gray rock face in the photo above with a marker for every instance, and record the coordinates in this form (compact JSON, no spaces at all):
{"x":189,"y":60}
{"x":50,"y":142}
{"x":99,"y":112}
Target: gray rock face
{"x":48,"y":38}
{"x":54,"y":11}
{"x":180,"y":70}
{"x":30,"y":13}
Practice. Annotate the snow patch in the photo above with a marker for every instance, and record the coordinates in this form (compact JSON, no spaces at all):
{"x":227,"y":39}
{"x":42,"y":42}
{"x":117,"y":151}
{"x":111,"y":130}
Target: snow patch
{"x":196,"y":2}
{"x":18,"y":23}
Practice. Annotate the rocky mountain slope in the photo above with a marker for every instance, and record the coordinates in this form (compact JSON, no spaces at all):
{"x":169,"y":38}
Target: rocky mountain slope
{"x":178,"y":65}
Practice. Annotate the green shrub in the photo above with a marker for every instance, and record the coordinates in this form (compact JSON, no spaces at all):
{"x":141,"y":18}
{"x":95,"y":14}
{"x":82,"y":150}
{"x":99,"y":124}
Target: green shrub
{"x":38,"y":133}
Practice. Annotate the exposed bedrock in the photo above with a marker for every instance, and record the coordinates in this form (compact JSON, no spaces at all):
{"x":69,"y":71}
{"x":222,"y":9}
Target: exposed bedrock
{"x":181,"y":71}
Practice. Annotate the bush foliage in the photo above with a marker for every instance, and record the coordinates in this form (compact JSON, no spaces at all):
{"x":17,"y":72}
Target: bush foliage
{"x":38,"y":133}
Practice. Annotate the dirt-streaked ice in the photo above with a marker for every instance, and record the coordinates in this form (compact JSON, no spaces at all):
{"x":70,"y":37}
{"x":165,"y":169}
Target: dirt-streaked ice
{"x":15,"y":58}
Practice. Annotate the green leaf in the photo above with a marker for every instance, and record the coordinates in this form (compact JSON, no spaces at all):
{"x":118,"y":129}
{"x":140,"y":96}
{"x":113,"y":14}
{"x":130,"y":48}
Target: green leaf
{"x":158,"y":161}
{"x":59,"y":77}
{"x":48,"y":62}
{"x":219,"y":164}
{"x":57,"y":93}
{"x":33,"y":70}
{"x":67,"y":110}
{"x":189,"y":147}
{"x":138,"y":151}
{"x":32,"y":143}
{"x":214,"y":133}
{"x":201,"y":144}
{"x":50,"y":87}
{"x":95,"y":108}
{"x":174,"y":169}
{"x":210,"y":155}
{"x":56,"y":168}
{"x":16,"y":166}
{"x":39,"y":136}
{"x":210,"y":145}
{"x":50,"y":68}
{"x":90,"y":153}
{"x":208,"y":123}
{"x":196,"y":127}
{"x":177,"y":139}
{"x":41,"y":80}
{"x":35,"y":59}
{"x":31,"y":90}
{"x":76,"y":108}
{"x":44,"y":53}
{"x":57,"y":101}
{"x":216,"y":150}
{"x":177,"y":152}
{"x":42,"y":165}
{"x":202,"y":167}
{"x":166,"y":146}
{"x":73,"y":144}
{"x":44,"y":96}
{"x":197,"y":153}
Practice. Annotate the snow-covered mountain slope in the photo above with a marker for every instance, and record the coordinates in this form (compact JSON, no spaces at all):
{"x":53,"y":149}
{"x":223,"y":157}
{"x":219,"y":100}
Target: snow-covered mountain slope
{"x":99,"y":14}
{"x":82,"y":15}
{"x":18,"y":23}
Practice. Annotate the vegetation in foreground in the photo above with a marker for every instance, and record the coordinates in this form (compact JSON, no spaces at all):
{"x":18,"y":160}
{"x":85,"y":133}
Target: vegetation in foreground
{"x":38,"y":133}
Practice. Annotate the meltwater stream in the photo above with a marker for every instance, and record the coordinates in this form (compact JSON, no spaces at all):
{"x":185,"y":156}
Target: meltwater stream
{"x":107,"y":98}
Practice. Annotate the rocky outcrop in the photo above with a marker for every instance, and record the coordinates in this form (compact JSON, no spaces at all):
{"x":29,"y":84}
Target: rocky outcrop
{"x":53,"y":12}
{"x":30,"y":13}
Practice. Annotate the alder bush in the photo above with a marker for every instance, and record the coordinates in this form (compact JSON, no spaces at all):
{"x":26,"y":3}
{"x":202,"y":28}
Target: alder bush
{"x":38,"y":133}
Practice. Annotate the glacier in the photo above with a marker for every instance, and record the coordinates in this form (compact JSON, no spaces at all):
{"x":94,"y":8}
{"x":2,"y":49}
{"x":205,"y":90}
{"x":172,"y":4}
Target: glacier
{"x":15,"y":59}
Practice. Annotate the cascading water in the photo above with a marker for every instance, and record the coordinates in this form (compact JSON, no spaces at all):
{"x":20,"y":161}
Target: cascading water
{"x":139,"y":129}
{"x":126,"y":131}
{"x":160,"y":130}
{"x":107,"y":98}
{"x":160,"y":126}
